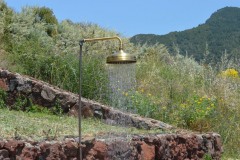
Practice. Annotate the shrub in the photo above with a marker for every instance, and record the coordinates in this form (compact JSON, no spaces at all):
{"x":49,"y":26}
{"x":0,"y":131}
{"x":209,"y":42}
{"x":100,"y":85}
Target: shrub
{"x":196,"y":113}
{"x":232,"y":73}
{"x":142,"y":104}
{"x":45,"y":14}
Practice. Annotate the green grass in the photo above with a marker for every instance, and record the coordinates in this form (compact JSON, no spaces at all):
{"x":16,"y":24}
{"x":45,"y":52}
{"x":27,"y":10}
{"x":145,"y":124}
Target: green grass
{"x":39,"y":126}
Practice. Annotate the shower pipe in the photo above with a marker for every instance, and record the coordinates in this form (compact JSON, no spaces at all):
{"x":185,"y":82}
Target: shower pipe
{"x":80,"y":82}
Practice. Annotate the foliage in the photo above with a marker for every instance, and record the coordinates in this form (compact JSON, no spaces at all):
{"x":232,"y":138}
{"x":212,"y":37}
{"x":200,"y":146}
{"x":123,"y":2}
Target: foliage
{"x":3,"y":96}
{"x":38,"y":109}
{"x":45,"y":14}
{"x":21,"y":103}
{"x":57,"y":109}
{"x":55,"y":58}
{"x":232,"y":73}
{"x":5,"y":19}
{"x":207,"y":157}
{"x":196,"y":112}
{"x":141,"y":104}
{"x":191,"y":95}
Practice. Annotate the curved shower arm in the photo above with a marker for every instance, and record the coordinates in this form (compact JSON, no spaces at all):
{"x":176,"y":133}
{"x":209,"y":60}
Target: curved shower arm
{"x":102,"y":39}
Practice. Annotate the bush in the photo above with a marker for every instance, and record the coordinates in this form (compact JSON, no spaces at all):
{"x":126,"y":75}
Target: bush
{"x":45,"y":14}
{"x":197,"y":112}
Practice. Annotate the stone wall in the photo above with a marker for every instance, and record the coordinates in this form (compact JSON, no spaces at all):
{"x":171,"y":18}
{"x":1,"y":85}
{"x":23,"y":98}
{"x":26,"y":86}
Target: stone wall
{"x":155,"y":147}
{"x":46,"y":95}
{"x":184,"y":145}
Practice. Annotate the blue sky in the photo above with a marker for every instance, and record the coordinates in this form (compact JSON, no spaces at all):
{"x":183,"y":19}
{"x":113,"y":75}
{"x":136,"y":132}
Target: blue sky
{"x":130,"y":17}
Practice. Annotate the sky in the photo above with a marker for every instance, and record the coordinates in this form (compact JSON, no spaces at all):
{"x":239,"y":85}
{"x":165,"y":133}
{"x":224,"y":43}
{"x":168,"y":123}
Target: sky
{"x":131,"y":17}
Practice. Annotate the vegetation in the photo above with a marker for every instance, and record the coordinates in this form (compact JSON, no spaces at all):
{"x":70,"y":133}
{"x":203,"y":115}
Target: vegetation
{"x":170,"y":87}
{"x":210,"y":40}
{"x":28,"y":125}
{"x":24,"y":120}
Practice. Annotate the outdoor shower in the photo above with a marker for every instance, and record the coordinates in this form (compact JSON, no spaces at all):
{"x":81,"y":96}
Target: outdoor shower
{"x":121,"y":69}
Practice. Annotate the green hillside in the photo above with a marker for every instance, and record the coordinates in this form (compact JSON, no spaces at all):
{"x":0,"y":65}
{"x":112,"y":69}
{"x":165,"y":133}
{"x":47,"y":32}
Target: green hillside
{"x":218,"y":35}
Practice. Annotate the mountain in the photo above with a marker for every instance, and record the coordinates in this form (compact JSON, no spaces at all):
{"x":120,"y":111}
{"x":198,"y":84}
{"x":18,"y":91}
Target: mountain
{"x":218,"y":35}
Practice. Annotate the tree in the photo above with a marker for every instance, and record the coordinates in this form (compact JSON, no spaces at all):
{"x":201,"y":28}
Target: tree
{"x":45,"y":14}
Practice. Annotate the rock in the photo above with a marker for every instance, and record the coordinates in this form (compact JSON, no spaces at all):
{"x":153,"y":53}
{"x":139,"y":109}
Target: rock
{"x":87,"y":111}
{"x":3,"y":84}
{"x":47,"y":93}
{"x":67,"y":100}
{"x":4,"y":73}
{"x":119,"y":149}
{"x":99,"y":151}
{"x":74,"y":111}
{"x":12,"y":84}
{"x":2,"y":144}
{"x":30,"y":153}
{"x":71,"y":149}
{"x":147,"y":151}
{"x":98,"y":114}
{"x":4,"y":154}
{"x":14,"y":147}
{"x":24,"y":85}
{"x":37,"y":87}
{"x":52,"y":151}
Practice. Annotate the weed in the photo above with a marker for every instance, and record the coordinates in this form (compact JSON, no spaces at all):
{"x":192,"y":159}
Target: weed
{"x":3,"y":96}
{"x":207,"y":157}
{"x":37,"y":109}
{"x":21,"y":103}
{"x":57,"y":109}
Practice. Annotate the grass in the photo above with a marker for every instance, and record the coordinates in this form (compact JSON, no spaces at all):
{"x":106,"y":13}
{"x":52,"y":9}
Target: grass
{"x":42,"y":126}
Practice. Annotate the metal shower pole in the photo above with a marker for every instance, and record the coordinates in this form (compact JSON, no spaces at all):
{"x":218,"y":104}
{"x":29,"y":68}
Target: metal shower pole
{"x":80,"y":100}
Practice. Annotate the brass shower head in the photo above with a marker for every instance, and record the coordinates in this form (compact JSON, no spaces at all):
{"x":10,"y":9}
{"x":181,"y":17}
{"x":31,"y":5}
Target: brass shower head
{"x":118,"y":57}
{"x":121,"y":57}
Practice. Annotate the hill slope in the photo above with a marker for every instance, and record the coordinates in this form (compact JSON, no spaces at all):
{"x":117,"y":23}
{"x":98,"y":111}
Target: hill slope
{"x":219,"y":34}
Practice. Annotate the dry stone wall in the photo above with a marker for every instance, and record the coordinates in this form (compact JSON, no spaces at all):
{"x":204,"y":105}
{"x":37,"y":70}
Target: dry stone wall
{"x":46,"y":95}
{"x":155,"y":147}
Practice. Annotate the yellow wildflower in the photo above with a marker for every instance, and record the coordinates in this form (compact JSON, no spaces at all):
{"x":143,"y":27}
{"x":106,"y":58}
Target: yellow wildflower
{"x":230,"y":73}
